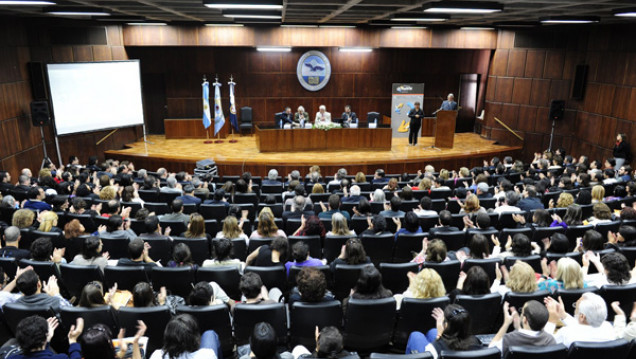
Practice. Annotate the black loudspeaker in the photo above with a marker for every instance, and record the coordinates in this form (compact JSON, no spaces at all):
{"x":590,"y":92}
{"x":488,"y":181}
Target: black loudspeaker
{"x":38,"y":83}
{"x":40,"y":114}
{"x":580,"y":80}
{"x":557,"y":110}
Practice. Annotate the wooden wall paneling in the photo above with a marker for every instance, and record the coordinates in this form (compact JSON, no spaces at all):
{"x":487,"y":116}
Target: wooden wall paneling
{"x":504,"y":89}
{"x":534,"y":63}
{"x":521,"y":91}
{"x":605,"y":99}
{"x":517,"y":63}
{"x":554,"y":63}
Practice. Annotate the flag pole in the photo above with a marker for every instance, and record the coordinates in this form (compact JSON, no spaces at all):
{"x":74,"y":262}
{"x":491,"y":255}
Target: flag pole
{"x":207,"y":130}
{"x":216,"y":82}
{"x":232,"y":84}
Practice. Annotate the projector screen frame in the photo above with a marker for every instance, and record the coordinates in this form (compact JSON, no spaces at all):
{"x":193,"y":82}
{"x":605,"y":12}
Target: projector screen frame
{"x":53,"y":119}
{"x":112,"y":129}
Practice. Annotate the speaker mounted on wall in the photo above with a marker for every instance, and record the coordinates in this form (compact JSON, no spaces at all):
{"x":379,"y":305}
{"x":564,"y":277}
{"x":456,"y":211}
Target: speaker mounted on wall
{"x":38,"y":82}
{"x":557,"y":110}
{"x":40,"y":114}
{"x":580,"y":81}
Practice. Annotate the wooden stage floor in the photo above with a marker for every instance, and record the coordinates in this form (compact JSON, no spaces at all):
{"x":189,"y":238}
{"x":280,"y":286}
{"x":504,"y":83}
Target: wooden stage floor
{"x":234,"y":158}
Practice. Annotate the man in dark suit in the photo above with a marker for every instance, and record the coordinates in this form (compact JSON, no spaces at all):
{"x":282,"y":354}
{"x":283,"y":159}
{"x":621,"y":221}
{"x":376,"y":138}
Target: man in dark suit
{"x":287,"y":117}
{"x":415,"y":115}
{"x":445,"y":221}
{"x":348,"y":117}
{"x":449,"y":104}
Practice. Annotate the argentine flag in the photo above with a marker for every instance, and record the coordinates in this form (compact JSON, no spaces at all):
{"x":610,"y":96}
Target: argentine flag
{"x":219,"y":119}
{"x":206,"y":104}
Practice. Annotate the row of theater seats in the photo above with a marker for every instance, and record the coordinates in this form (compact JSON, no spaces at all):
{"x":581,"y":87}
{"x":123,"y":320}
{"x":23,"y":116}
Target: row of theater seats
{"x":367,"y":325}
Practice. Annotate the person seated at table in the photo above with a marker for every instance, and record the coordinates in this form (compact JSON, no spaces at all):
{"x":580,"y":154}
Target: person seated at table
{"x":301,"y":117}
{"x":348,"y":117}
{"x":322,"y":116}
{"x":286,"y":117}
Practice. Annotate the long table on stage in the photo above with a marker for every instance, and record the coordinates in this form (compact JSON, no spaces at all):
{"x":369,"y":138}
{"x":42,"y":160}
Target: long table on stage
{"x":277,"y":140}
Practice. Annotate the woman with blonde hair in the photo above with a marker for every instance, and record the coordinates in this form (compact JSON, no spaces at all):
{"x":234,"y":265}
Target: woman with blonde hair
{"x":196,"y":227}
{"x":564,"y":274}
{"x":317,"y":188}
{"x":266,"y":226}
{"x":23,"y":218}
{"x":339,"y":226}
{"x":565,"y":199}
{"x":424,"y":285}
{"x":598,"y":193}
{"x":48,"y":222}
{"x":360,"y":178}
{"x":472,"y":205}
{"x":520,"y":279}
{"x":232,"y":229}
{"x":107,"y":193}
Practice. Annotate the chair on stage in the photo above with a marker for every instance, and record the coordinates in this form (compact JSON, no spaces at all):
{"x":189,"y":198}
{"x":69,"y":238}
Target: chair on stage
{"x":246,"y":119}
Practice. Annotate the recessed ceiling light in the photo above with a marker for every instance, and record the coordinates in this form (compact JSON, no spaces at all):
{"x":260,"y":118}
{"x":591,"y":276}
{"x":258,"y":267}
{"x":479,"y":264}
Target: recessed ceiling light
{"x":571,"y":20}
{"x":476,"y":28}
{"x":406,"y":27}
{"x":463,"y":7}
{"x":298,"y":25}
{"x":273,"y":49}
{"x":227,"y":25}
{"x":355,"y":49}
{"x":627,"y":12}
{"x":25,"y":2}
{"x":244,"y":4}
{"x":252,"y":14}
{"x":420,"y":18}
{"x":147,"y":23}
{"x":75,"y":11}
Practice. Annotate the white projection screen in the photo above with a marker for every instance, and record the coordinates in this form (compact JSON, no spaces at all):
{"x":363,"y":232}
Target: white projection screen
{"x":91,"y":96}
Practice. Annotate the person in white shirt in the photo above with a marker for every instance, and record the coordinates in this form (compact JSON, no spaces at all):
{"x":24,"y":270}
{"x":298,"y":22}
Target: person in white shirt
{"x":322,"y":116}
{"x":588,"y":324}
{"x":510,"y":203}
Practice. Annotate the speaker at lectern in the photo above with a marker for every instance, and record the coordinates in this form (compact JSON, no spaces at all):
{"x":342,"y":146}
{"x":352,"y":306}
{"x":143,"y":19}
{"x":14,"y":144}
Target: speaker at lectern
{"x":445,"y":128}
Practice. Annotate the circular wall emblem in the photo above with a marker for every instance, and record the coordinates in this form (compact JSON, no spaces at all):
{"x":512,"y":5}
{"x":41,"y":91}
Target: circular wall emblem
{"x":313,"y":70}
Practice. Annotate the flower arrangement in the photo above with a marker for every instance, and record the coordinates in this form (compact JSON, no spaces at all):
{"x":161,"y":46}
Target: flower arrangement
{"x":326,"y":127}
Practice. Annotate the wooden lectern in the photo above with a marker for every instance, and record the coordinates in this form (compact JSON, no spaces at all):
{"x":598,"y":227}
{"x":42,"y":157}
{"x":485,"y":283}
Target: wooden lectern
{"x":445,"y":128}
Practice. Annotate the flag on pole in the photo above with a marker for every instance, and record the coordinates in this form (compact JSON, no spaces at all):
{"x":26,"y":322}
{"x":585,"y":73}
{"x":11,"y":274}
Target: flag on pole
{"x":206,"y":104}
{"x":233,"y":119}
{"x":219,"y":119}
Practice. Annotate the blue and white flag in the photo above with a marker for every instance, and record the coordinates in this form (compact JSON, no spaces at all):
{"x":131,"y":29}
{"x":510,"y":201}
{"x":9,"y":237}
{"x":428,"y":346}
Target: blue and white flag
{"x":206,"y":104}
{"x":219,"y":119}
{"x":233,"y":119}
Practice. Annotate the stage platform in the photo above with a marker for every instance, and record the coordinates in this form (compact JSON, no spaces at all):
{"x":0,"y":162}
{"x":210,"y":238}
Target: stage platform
{"x":235,"y":158}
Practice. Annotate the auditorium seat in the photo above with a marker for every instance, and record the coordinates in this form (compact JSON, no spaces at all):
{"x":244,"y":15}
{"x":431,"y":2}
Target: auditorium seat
{"x":379,"y":247}
{"x":76,"y":276}
{"x":305,"y":317}
{"x":313,"y":242}
{"x":178,"y":281}
{"x":126,"y":277}
{"x":247,"y":315}
{"x":368,"y":324}
{"x":227,"y":277}
{"x":558,"y":351}
{"x":484,"y":310}
{"x":415,"y":315}
{"x":616,"y":349}
{"x":213,"y":317}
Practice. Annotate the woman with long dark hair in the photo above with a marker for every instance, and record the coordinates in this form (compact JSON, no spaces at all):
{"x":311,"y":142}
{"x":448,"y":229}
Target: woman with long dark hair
{"x":181,"y":339}
{"x":452,"y":332}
